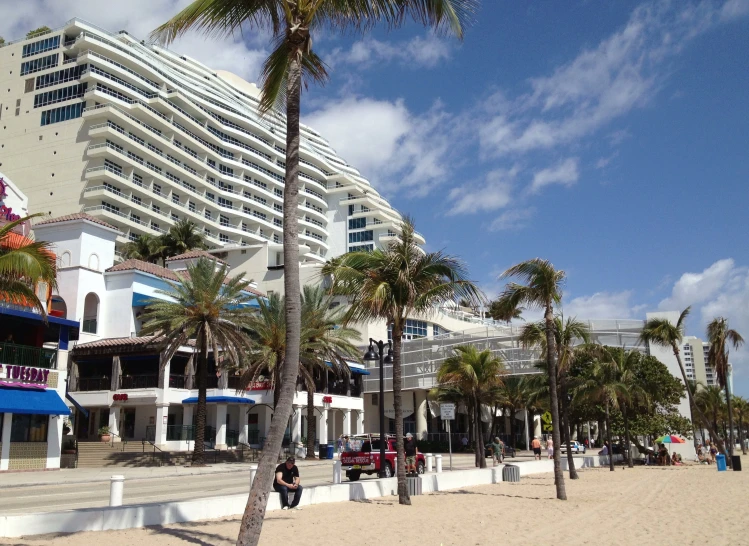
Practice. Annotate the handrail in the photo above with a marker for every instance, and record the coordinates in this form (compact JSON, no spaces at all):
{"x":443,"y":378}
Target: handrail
{"x":122,"y":441}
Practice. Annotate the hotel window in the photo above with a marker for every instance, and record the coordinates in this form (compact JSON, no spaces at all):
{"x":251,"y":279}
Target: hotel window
{"x":361,"y":248}
{"x":112,"y":166}
{"x":357,"y":223}
{"x":222,"y":202}
{"x":175,"y":198}
{"x":155,"y":226}
{"x":278,"y":222}
{"x":175,"y":217}
{"x":210,"y":196}
{"x":41,"y":46}
{"x":156,"y":208}
{"x":223,"y":220}
{"x":191,"y":206}
{"x":36,"y":65}
{"x":135,"y":218}
{"x":278,"y":207}
{"x":110,"y":207}
{"x":361,"y":236}
{"x":132,"y":236}
{"x":61,"y":76}
{"x":207,"y":214}
{"x":137,"y":200}
{"x":223,"y":238}
{"x":60,"y":95}
{"x":157,"y":189}
{"x":137,"y":180}
{"x":415,"y":329}
{"x":28,"y":428}
{"x":63,"y":113}
{"x":278,"y":192}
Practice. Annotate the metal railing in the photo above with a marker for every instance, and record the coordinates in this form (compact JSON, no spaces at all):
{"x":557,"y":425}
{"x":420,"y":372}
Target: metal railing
{"x":86,"y":384}
{"x":139,"y":381}
{"x":24,"y":355}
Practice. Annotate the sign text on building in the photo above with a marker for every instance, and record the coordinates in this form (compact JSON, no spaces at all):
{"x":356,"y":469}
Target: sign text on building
{"x":23,"y":375}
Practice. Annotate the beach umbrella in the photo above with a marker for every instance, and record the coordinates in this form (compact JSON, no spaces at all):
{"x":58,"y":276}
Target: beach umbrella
{"x":669,"y":439}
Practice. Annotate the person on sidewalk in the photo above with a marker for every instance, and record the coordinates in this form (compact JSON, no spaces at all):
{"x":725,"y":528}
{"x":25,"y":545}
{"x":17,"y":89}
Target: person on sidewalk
{"x":536,"y":446}
{"x":287,"y":480}
{"x":409,"y":446}
{"x":497,"y":448}
{"x":550,"y":448}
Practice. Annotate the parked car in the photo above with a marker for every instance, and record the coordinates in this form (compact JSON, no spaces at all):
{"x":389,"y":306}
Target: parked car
{"x":575,"y":447}
{"x":509,"y":451}
{"x":365,"y":457}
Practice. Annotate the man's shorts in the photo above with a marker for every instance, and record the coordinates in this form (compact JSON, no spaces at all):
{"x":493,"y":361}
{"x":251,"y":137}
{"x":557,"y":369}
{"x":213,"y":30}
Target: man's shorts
{"x":411,"y":461}
{"x":537,"y":451}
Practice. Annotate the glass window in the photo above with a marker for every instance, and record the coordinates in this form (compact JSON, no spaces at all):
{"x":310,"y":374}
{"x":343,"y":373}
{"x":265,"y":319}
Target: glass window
{"x":361,"y":236}
{"x":41,"y":63}
{"x":29,"y":428}
{"x":41,"y":46}
{"x":63,"y":113}
{"x":357,"y":223}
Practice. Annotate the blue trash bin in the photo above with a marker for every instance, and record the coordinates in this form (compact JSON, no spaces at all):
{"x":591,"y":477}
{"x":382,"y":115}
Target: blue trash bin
{"x":330,"y":451}
{"x":720,"y":462}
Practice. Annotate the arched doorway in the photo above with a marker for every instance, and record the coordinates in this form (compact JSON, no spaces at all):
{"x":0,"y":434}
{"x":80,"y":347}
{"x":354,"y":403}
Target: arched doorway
{"x":90,"y":313}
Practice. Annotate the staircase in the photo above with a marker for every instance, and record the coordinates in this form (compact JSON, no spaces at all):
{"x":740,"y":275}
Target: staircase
{"x":100,"y":455}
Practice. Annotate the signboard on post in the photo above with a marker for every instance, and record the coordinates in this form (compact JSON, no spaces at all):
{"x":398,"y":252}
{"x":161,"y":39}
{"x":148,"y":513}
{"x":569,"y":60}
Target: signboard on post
{"x":447,"y":412}
{"x":546,"y":425}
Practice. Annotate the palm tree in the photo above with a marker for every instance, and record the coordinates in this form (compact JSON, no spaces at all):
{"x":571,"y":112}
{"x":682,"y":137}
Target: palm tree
{"x":182,"y":237}
{"x":605,"y":387}
{"x":291,"y":64}
{"x":23,"y":263}
{"x":567,"y":334}
{"x":543,"y":289}
{"x":145,"y":247}
{"x":394,"y":284}
{"x":661,"y":332}
{"x":742,"y":408}
{"x":710,"y":402}
{"x":326,"y":344}
{"x":212,"y":309}
{"x":475,"y":375}
{"x":720,"y":336}
{"x":512,"y":394}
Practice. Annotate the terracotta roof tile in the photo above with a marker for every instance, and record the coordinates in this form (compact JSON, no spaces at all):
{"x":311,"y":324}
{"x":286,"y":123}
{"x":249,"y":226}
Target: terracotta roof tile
{"x":157,"y":270}
{"x":196,"y":254}
{"x":76,"y":216}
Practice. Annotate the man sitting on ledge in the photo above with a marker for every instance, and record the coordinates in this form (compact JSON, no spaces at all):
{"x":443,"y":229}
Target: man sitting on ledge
{"x":287,"y":479}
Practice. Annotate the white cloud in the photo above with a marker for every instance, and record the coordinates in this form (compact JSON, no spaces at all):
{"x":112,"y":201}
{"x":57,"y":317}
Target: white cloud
{"x":514,"y":219}
{"x":564,"y":173}
{"x":139,"y":18}
{"x":494,"y":193}
{"x":601,"y":305}
{"x":421,"y":51}
{"x":696,"y":288}
{"x":394,"y":148}
{"x":622,"y":73}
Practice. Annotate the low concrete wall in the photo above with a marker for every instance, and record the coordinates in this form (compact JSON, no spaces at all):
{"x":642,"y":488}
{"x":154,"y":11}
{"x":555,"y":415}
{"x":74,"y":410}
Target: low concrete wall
{"x":141,"y":515}
{"x":590,"y":461}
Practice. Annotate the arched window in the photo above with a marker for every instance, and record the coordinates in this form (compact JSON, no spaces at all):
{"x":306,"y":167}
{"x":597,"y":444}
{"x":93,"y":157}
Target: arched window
{"x":59,"y":307}
{"x":93,"y":262}
{"x":65,"y":259}
{"x":90,"y":313}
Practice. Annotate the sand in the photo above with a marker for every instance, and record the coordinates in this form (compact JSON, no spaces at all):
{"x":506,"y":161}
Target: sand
{"x":645,"y":505}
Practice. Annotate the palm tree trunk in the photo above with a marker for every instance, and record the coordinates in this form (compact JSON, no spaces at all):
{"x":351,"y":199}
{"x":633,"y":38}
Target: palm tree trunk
{"x":630,"y":463}
{"x":311,"y":422}
{"x":201,"y":372}
{"x":254,"y":513}
{"x":480,"y":459}
{"x":731,"y":441}
{"x":741,"y":432}
{"x":566,"y":430}
{"x":608,"y":436}
{"x":512,"y":427}
{"x":692,"y":403}
{"x":277,"y":379}
{"x":403,"y":497}
{"x":551,"y":362}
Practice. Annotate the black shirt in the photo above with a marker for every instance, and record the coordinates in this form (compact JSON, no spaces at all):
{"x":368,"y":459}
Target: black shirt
{"x":287,"y":474}
{"x":410,"y":448}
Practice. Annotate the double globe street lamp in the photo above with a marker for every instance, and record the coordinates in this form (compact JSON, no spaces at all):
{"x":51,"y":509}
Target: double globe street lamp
{"x":372,"y":355}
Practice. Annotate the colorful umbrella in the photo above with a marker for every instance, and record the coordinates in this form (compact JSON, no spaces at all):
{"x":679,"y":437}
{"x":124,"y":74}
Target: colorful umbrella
{"x":669,"y":439}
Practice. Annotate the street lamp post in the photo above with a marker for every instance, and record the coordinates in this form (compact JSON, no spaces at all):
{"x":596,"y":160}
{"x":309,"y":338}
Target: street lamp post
{"x":373,"y":355}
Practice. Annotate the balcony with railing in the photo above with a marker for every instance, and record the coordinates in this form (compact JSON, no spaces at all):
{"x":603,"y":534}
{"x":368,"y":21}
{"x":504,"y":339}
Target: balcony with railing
{"x":139,"y":382}
{"x":30,"y":357}
{"x":88,"y":384}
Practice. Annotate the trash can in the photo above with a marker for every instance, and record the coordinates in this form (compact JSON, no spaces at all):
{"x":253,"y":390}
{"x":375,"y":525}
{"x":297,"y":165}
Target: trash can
{"x":736,"y":462}
{"x":720,"y":462}
{"x":414,"y":485}
{"x":323,"y":451}
{"x":511,"y":473}
{"x":330,"y":451}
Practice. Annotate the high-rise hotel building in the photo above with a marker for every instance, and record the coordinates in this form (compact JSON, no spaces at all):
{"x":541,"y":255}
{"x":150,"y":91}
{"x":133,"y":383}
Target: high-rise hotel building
{"x":142,"y":137}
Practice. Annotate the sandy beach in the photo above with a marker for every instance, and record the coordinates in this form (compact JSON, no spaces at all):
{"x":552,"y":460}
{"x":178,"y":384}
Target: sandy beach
{"x":665,"y":505}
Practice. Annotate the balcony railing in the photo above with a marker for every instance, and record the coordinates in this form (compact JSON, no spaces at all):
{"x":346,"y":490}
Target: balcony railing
{"x":86,"y":384}
{"x":23,"y":355}
{"x":139,"y":381}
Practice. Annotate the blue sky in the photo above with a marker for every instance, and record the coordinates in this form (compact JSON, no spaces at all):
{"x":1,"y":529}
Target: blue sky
{"x":608,"y":137}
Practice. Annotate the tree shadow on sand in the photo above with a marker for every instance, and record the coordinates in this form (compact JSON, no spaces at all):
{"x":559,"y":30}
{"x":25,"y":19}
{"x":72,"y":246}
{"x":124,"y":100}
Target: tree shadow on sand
{"x":466,"y":492}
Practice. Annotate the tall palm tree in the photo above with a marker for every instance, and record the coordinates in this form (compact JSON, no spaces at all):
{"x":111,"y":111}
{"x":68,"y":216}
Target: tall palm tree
{"x":145,"y":247}
{"x":212,"y":309}
{"x":23,"y":263}
{"x":476,"y":375}
{"x":326,"y":344}
{"x":182,"y":237}
{"x":711,"y":403}
{"x":742,"y":408}
{"x":720,"y":336}
{"x":663,"y":333}
{"x":567,"y":335}
{"x":291,"y":64}
{"x":394,"y":284}
{"x":512,"y":395}
{"x":543,"y":289}
{"x":605,"y":387}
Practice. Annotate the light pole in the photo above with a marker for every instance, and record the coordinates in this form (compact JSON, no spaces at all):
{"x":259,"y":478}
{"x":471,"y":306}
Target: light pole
{"x":372,"y":356}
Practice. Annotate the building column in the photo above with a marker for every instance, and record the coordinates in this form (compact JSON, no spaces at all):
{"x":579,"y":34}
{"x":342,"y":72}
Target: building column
{"x":243,"y":426}
{"x":162,"y":418}
{"x":114,"y":423}
{"x":323,"y":427}
{"x":5,"y":440}
{"x":420,"y":408}
{"x":221,"y":426}
{"x":187,"y":413}
{"x":164,"y":371}
{"x":296,"y":425}
{"x":54,"y":441}
{"x":360,"y":422}
{"x":537,"y":426}
{"x":347,"y":422}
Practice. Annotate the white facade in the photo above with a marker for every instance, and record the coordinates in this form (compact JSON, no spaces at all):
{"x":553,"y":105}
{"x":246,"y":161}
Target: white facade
{"x":139,"y":136}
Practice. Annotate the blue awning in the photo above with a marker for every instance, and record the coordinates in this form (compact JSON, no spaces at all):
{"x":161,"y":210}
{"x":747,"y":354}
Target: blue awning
{"x":73,"y":401}
{"x":34,"y":401}
{"x":355,"y":367}
{"x":220,"y":400}
{"x":35,"y":316}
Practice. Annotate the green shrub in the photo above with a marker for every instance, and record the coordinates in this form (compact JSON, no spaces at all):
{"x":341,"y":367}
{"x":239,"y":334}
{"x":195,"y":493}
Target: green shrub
{"x":38,"y":32}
